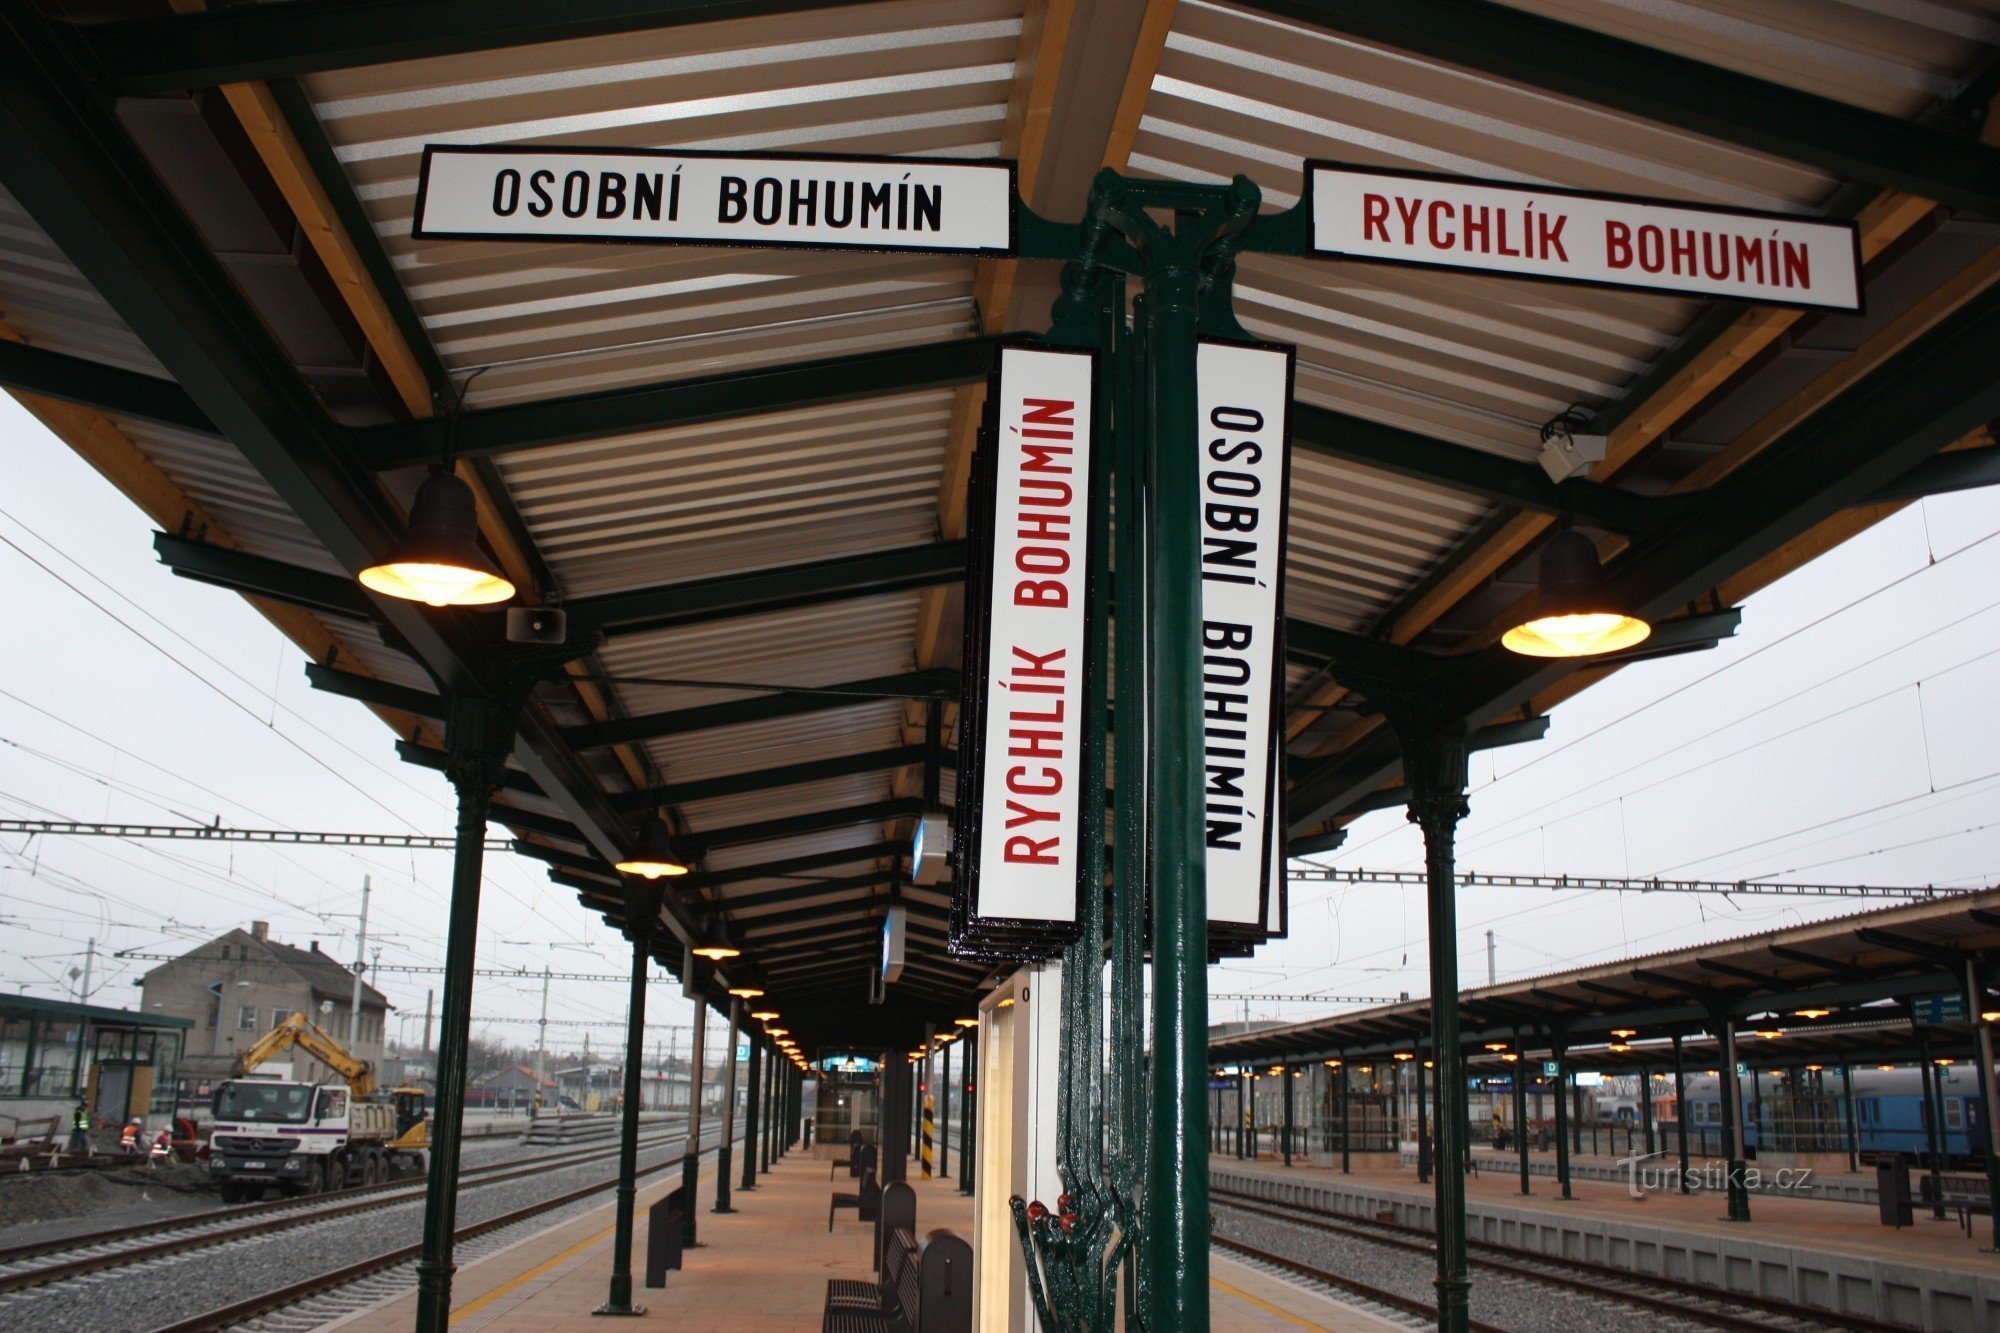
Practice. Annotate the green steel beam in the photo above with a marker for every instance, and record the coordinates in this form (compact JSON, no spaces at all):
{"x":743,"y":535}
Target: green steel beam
{"x":698,"y":600}
{"x":1567,"y":60}
{"x":121,"y":393}
{"x":256,"y":576}
{"x":376,"y":693}
{"x":425,"y":756}
{"x":570,"y":861}
{"x":549,"y":826}
{"x":149,"y":57}
{"x":793,"y":893}
{"x":817,"y":821}
{"x":784,"y":775}
{"x":1458,"y":467}
{"x":750,"y":927}
{"x":933,"y":684}
{"x":1966,"y":470}
{"x":796,"y":865}
{"x":493,"y":431}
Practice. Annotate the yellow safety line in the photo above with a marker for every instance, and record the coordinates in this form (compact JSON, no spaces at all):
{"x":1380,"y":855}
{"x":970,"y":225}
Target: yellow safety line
{"x":1265,"y":1306}
{"x":521,"y":1279}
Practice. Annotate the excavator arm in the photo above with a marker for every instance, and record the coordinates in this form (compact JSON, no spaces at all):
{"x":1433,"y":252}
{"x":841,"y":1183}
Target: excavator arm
{"x":300,"y":1031}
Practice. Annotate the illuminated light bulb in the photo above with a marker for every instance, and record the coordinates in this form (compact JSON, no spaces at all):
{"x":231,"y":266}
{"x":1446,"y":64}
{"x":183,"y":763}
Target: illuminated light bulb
{"x":438,"y":562}
{"x":1573,"y":615}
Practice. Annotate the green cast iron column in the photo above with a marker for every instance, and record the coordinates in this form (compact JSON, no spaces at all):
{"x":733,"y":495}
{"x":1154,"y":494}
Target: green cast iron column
{"x":1680,"y":1110}
{"x":728,"y":1109}
{"x":969,"y":1137}
{"x":944,"y":1115}
{"x":691,"y":1161}
{"x":1521,"y":1106}
{"x":475,"y":769}
{"x":1346,"y":1125}
{"x":1561,"y":1117}
{"x":1286,"y":1148}
{"x":750,"y":1108}
{"x":643,"y":901}
{"x":1423,"y":1120}
{"x":1434,"y":765}
{"x":1176,"y":1235}
{"x":1732,"y":1121}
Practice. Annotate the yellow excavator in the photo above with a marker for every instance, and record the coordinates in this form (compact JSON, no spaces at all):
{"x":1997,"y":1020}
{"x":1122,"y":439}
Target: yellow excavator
{"x":303,"y":1138}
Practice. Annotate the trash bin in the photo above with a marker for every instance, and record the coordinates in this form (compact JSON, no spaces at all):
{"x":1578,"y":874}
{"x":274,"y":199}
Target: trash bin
{"x":1892,"y":1189}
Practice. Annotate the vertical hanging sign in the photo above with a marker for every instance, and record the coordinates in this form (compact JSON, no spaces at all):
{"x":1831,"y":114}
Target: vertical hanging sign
{"x":1243,"y":395}
{"x":1020,"y":818}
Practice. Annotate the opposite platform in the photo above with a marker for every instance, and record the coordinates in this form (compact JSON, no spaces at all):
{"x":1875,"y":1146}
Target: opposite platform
{"x":1832,"y":1255}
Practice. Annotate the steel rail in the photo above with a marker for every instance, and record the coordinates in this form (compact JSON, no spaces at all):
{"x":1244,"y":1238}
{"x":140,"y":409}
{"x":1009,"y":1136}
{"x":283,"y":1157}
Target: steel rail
{"x":1685,"y":1300}
{"x":257,"y":1219}
{"x":251,"y":1307}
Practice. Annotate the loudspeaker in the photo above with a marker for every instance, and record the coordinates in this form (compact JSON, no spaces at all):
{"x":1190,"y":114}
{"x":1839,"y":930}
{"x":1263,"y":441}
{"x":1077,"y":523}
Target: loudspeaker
{"x":537,"y":624}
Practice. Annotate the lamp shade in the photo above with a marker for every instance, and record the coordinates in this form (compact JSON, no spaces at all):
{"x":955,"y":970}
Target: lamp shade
{"x":715,"y":943}
{"x":438,"y":561}
{"x":655,"y":855}
{"x":1573,"y":615}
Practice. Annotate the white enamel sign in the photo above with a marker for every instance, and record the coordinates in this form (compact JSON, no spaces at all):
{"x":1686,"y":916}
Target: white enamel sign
{"x":1030,"y":817}
{"x":1244,"y":398}
{"x":682,"y":198}
{"x":1610,"y":240}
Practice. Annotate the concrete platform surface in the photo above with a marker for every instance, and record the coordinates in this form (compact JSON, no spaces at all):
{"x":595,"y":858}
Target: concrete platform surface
{"x":1817,"y":1252}
{"x":764,"y":1268}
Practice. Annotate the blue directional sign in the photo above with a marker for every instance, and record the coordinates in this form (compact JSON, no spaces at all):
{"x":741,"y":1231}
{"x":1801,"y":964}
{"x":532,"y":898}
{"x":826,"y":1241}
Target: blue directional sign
{"x":1932,"y":1009}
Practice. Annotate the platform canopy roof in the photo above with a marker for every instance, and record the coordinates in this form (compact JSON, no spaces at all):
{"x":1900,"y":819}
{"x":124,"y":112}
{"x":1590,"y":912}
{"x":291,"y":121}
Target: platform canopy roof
{"x":1859,"y":987}
{"x":747,"y":469}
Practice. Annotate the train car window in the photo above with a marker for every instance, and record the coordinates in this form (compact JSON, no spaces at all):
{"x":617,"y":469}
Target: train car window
{"x":1954,"y":1113}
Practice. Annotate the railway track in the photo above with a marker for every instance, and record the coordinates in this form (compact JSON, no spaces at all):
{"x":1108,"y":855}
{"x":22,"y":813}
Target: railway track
{"x":116,"y":1247}
{"x":1659,"y":1297}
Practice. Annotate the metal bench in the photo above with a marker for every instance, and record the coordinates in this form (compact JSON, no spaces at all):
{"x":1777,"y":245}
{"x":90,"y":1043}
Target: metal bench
{"x":865,"y":1204}
{"x":874,"y":1297}
{"x":931,"y":1294}
{"x":853,"y":1159}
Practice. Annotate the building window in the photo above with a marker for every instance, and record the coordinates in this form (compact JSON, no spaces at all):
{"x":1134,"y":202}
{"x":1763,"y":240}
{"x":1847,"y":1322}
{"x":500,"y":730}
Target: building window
{"x":246,"y":1018}
{"x":278,"y":1015}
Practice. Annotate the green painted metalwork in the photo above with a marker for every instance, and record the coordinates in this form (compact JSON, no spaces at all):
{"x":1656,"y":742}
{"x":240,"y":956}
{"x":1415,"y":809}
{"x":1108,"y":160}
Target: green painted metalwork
{"x":643,"y":905}
{"x":1434,"y":757}
{"x":931,"y":684}
{"x":493,"y":431}
{"x":1473,"y":471}
{"x":125,"y":393}
{"x":752,"y":1106}
{"x":722,"y":1155}
{"x":697,"y":601}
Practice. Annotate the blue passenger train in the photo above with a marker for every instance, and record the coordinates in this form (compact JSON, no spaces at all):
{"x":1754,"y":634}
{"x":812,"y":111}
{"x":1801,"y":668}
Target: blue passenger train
{"x":1807,"y":1112}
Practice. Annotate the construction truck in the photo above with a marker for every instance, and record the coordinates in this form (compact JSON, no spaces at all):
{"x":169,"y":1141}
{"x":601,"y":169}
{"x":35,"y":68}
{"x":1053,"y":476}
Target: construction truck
{"x":302,"y":1138}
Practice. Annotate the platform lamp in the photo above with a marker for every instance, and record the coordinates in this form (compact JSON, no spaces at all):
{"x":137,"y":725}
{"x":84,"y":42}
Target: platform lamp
{"x":1573,"y":614}
{"x":715,"y":942}
{"x":438,"y":561}
{"x":655,"y":857}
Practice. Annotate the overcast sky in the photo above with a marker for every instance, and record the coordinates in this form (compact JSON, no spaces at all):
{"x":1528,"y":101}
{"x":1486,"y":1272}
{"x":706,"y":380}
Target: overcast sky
{"x":1845,"y":736}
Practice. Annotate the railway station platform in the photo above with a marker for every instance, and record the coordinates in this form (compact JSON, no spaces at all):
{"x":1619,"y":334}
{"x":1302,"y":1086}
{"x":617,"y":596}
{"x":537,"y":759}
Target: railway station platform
{"x":765,"y":1268}
{"x":1813,"y":1251}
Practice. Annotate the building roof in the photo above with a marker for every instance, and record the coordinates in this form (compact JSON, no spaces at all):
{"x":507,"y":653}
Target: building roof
{"x":99,"y":1015}
{"x":1862,"y":971}
{"x":747,"y":470}
{"x":325,"y":975}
